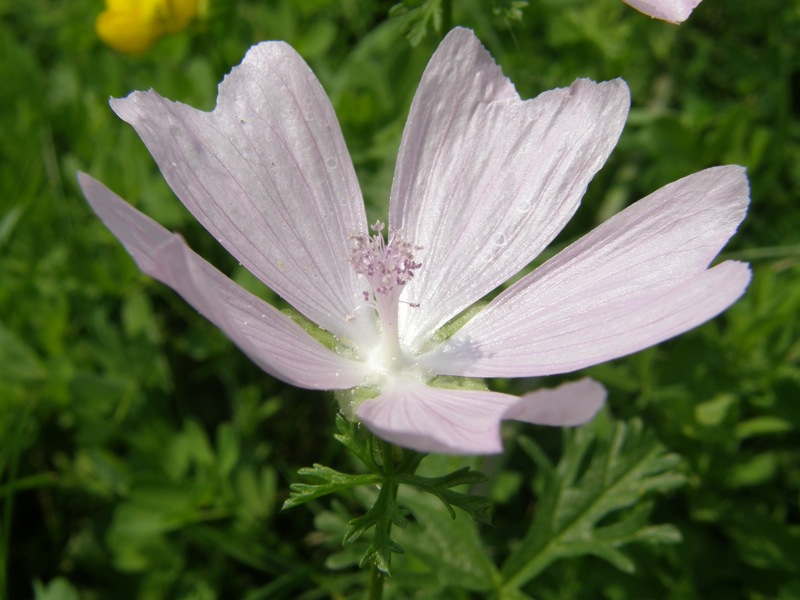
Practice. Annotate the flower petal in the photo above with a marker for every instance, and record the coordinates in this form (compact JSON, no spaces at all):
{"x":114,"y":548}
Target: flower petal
{"x":429,"y":419}
{"x":268,"y":174}
{"x":636,"y":280}
{"x":673,"y":11}
{"x":570,"y":404}
{"x":484,"y":180}
{"x":271,"y":339}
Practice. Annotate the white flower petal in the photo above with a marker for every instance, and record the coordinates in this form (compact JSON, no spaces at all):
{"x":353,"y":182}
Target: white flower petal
{"x":569,"y":404}
{"x":636,"y":280}
{"x":673,"y":11}
{"x":268,"y":174}
{"x":485,"y":181}
{"x":429,"y":419}
{"x":271,"y":339}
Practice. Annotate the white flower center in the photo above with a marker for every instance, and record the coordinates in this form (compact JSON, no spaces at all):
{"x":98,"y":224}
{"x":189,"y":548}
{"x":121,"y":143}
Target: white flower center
{"x":387,"y":266}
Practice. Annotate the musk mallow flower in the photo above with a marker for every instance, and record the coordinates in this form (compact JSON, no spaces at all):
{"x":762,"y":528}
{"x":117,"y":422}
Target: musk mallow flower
{"x":484,"y":182}
{"x":674,"y":11}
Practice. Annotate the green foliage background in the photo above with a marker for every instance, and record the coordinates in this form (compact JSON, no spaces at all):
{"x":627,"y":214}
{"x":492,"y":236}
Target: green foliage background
{"x":142,"y":456}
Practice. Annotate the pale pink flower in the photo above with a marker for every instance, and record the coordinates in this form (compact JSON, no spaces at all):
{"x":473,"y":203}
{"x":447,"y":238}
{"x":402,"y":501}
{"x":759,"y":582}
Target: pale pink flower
{"x":673,"y":11}
{"x":484,"y":182}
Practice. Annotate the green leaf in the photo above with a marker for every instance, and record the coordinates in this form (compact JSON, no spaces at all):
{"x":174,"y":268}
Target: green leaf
{"x":756,"y":470}
{"x":389,"y":466}
{"x":451,"y":548}
{"x":383,"y":514}
{"x":332,"y":482}
{"x":479,"y":508}
{"x":227,"y":448}
{"x":509,"y":9}
{"x":601,"y":478}
{"x":348,"y":436}
{"x":58,"y":589}
{"x":18,"y":361}
{"x":766,"y":425}
{"x":416,"y":16}
{"x":713,"y":412}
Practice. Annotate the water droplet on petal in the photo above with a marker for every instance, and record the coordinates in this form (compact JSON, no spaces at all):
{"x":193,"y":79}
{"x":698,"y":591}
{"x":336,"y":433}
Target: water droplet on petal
{"x":499,"y":239}
{"x":331,"y":163}
{"x":524,"y":206}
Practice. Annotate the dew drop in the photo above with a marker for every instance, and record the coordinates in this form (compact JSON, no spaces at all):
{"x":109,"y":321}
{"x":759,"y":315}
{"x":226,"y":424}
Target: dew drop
{"x":331,"y":163}
{"x":524,"y":206}
{"x":499,"y":239}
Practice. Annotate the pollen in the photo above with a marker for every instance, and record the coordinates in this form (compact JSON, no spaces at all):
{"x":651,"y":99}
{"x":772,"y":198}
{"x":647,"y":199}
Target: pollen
{"x":386,"y":264}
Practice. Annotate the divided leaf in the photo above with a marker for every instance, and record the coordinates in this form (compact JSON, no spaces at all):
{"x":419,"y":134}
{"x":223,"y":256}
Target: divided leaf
{"x":332,"y":481}
{"x":389,"y":467}
{"x":478,"y":507}
{"x":591,"y":502}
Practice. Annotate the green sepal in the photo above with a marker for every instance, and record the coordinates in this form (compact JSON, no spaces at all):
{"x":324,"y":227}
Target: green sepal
{"x":350,"y":399}
{"x":323,"y":336}
{"x":451,"y":382}
{"x":448,"y":330}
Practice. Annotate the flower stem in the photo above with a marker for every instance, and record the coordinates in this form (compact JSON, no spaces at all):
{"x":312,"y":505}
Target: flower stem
{"x":447,"y":16}
{"x":376,"y":583}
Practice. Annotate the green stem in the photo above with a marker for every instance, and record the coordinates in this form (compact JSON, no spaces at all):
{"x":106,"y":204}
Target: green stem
{"x":394,"y":459}
{"x":11,"y":454}
{"x":447,"y":16}
{"x":376,"y":583}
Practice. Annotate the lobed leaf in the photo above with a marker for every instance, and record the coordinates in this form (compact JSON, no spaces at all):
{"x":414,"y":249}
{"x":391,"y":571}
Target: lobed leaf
{"x":591,"y":502}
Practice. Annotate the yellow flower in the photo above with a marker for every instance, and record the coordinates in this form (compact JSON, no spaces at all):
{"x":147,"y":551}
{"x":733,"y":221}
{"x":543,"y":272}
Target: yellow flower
{"x":133,"y":26}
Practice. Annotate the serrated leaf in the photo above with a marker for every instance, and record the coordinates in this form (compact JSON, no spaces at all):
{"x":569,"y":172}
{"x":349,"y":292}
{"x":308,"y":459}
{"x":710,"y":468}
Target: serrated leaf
{"x":348,"y":436}
{"x":389,"y":466}
{"x":477,"y":507}
{"x":451,"y":549}
{"x":383,"y":514}
{"x":332,"y":481}
{"x":416,"y":16}
{"x":625,"y":466}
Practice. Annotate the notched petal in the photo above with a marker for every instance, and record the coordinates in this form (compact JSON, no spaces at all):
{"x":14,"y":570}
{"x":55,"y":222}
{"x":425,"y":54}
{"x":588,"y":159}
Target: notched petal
{"x":268,"y":174}
{"x":485,"y":180}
